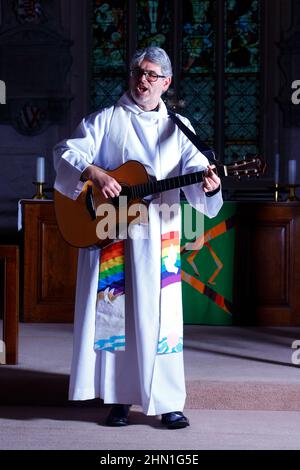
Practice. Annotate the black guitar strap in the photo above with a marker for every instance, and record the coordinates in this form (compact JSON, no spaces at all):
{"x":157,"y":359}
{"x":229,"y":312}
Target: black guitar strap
{"x":194,"y":138}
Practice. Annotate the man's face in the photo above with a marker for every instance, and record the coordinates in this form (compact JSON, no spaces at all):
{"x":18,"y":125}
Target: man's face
{"x":145,"y":93}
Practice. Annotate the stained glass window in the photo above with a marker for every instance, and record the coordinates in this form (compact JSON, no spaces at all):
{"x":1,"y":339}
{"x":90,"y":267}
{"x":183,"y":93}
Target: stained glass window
{"x":106,"y":91}
{"x":198,"y":76}
{"x":154,"y":23}
{"x":198,"y":95}
{"x":242,"y":85}
{"x":241,"y":116}
{"x":242,"y":36}
{"x":197,"y":62}
{"x":109,"y":52}
{"x":198,"y":37}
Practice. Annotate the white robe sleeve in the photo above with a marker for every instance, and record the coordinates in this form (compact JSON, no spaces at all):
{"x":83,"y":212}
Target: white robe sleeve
{"x":192,"y":161}
{"x":72,"y":156}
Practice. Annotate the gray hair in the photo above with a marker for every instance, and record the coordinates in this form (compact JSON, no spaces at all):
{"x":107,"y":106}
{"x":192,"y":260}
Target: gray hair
{"x":156,"y":55}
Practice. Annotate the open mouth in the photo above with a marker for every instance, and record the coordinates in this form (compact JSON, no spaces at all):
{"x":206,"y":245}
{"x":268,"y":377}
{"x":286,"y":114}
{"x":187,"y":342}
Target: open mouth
{"x":141,"y":89}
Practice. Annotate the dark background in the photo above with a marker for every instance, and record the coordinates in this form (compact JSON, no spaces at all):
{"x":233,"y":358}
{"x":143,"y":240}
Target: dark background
{"x":54,"y":72}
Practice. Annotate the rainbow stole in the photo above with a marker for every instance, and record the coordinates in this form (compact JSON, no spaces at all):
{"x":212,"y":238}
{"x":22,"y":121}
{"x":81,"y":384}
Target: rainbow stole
{"x":170,"y":259}
{"x":110,"y":309}
{"x":112,"y":272}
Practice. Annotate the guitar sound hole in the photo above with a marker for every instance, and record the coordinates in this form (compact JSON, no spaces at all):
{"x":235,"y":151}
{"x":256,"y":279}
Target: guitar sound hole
{"x":126,"y":192}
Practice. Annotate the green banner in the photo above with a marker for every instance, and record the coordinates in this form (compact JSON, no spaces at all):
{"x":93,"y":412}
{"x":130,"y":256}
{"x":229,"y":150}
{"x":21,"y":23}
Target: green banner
{"x":207,"y":272}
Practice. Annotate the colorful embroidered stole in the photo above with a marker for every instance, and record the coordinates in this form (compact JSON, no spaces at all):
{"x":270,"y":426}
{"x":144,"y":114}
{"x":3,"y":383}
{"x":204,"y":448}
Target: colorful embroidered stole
{"x":110,"y":310}
{"x":171,"y":337}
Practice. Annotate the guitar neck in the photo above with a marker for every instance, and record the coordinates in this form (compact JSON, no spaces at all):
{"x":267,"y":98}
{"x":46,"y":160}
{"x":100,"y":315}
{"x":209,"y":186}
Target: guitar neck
{"x":152,"y":187}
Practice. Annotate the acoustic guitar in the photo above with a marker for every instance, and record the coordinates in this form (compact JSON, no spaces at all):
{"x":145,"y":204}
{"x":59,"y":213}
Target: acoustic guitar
{"x":78,"y":219}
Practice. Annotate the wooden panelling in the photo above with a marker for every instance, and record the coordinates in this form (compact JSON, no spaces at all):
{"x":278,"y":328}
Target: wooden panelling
{"x":9,"y":255}
{"x":49,"y":267}
{"x":270,"y":257}
{"x":56,"y":284}
{"x":267,"y":270}
{"x":268,"y":264}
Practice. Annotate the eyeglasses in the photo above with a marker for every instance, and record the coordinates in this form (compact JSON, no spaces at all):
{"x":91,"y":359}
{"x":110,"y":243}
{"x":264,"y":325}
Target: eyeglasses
{"x":150,"y":76}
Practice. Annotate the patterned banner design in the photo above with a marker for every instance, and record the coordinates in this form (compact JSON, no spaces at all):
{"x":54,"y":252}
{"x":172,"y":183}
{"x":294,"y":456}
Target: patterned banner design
{"x":218,"y":299}
{"x":195,"y":282}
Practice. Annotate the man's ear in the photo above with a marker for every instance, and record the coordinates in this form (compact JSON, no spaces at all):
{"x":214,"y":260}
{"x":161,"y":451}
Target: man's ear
{"x":167,"y":83}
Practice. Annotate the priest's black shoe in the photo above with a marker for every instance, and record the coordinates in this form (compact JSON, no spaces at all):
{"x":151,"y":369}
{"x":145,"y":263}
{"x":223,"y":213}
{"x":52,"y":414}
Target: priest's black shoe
{"x":174,"y":420}
{"x":118,"y":415}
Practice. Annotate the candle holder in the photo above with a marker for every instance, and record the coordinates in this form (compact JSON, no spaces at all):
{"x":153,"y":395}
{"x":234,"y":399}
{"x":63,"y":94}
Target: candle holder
{"x":276,"y":190}
{"x":39,"y":191}
{"x":292,"y":192}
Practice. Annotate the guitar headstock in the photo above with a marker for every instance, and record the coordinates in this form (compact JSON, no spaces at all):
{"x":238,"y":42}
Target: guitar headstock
{"x":249,"y":166}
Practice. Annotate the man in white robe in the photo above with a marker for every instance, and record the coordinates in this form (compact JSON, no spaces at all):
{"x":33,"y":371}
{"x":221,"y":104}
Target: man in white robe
{"x":150,"y":371}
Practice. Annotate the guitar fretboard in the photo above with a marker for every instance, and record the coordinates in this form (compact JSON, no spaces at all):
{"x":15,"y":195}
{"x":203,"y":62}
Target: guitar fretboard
{"x":152,"y":187}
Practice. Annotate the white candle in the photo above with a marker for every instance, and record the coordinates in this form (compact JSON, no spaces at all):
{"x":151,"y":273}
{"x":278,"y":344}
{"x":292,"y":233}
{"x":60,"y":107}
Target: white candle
{"x":292,"y":171}
{"x":40,"y":170}
{"x":277,"y":161}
